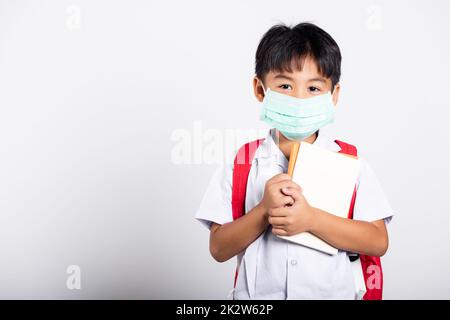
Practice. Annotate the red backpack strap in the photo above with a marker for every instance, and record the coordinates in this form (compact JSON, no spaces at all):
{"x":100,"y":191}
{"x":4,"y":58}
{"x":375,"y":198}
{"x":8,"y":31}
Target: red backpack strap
{"x":241,"y":170}
{"x":373,"y":273}
{"x":349,"y":149}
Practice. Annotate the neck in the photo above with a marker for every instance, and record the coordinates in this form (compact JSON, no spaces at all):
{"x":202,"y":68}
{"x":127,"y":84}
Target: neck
{"x":285,"y":144}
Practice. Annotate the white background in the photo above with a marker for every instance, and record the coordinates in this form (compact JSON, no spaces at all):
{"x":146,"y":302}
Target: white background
{"x":92,"y":91}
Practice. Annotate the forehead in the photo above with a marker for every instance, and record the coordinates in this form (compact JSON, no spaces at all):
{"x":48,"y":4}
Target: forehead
{"x":301,"y":68}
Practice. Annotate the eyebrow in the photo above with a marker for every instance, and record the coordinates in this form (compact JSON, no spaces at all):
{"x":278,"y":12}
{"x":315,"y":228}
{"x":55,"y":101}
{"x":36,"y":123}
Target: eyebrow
{"x":318,"y":79}
{"x":283,"y":76}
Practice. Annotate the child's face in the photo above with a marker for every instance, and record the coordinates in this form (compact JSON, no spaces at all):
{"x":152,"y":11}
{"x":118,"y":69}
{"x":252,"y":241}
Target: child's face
{"x":300,"y":84}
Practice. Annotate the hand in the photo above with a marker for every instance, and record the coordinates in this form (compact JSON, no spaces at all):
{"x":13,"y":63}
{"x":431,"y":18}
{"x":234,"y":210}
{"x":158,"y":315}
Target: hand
{"x":290,"y":220}
{"x":273,"y":197}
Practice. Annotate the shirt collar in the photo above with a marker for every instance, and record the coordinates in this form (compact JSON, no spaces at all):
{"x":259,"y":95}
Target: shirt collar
{"x":269,"y":147}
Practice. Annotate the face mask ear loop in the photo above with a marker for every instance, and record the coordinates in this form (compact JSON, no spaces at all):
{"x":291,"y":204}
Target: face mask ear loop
{"x":334,"y":89}
{"x":262,"y":85}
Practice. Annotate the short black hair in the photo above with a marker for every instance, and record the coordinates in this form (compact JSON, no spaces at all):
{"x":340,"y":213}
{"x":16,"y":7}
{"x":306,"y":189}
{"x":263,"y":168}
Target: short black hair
{"x":283,"y":47}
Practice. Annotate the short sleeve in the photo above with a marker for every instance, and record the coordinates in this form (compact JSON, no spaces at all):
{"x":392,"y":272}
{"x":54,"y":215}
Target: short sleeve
{"x":371,"y":203}
{"x":216,"y":203}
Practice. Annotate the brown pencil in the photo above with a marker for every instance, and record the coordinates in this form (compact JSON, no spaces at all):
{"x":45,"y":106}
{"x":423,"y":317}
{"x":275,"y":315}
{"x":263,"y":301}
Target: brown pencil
{"x":293,"y":157}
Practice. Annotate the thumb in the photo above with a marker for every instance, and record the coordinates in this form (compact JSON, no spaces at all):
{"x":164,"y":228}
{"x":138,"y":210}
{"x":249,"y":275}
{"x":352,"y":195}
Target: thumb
{"x":293,"y":192}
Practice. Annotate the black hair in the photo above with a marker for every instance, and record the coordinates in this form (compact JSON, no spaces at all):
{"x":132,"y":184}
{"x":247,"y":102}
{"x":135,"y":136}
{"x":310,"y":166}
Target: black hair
{"x":282,"y":48}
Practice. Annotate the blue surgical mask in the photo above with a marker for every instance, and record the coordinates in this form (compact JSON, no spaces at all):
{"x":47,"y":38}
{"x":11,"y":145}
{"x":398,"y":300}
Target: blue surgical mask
{"x":297,"y":118}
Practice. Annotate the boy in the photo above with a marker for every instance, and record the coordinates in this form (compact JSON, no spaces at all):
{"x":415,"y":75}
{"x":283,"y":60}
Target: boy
{"x":297,"y":79}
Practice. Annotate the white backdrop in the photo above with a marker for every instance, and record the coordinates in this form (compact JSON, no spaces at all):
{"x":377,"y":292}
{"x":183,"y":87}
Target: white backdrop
{"x":93,"y":95}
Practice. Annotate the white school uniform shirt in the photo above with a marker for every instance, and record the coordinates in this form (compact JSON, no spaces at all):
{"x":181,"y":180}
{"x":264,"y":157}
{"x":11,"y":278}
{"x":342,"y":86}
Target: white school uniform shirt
{"x":274,"y":268}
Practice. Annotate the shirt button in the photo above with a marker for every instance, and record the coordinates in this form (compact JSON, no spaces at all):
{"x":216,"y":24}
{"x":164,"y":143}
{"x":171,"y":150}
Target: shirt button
{"x":293,"y":262}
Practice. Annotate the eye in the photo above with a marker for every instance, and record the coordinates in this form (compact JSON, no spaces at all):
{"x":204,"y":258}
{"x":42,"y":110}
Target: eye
{"x":285,"y":87}
{"x":313,"y":89}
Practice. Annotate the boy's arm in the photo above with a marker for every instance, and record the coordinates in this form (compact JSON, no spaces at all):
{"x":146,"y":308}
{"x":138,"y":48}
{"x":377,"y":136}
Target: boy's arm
{"x":229,"y":239}
{"x":369,"y":238}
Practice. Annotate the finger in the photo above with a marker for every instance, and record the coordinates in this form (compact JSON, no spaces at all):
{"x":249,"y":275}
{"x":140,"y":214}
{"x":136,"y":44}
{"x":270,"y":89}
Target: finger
{"x":294,"y":193}
{"x":278,"y":212}
{"x":285,"y":201}
{"x":294,"y":186}
{"x":277,"y":222}
{"x":285,"y":184}
{"x":279,"y":232}
{"x":279,"y":177}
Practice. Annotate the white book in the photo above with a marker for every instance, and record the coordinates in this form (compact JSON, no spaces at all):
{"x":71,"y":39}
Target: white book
{"x":328,"y":180}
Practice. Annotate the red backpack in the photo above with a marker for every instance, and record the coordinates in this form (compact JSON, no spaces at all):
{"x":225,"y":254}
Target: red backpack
{"x":372,"y":271}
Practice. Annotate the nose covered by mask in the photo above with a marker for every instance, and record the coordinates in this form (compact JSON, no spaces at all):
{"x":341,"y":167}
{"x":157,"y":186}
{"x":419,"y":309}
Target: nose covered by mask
{"x":297,"y":118}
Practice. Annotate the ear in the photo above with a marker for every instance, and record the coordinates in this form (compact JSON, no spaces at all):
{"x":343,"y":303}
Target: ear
{"x":335,"y":95}
{"x":258,"y":89}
